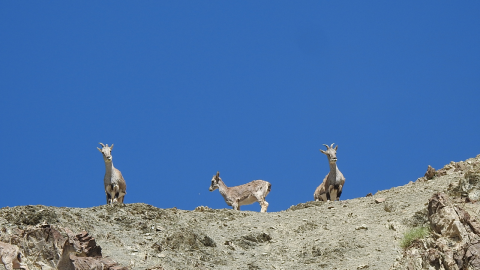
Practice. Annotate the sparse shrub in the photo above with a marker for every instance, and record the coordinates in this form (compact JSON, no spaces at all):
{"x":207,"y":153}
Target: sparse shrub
{"x":413,"y":234}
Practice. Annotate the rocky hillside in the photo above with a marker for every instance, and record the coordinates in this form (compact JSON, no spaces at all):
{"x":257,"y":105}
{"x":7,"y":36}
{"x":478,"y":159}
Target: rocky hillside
{"x":362,"y":233}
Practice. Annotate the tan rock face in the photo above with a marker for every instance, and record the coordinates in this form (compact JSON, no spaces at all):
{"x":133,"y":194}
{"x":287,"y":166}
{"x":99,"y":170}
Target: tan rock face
{"x":11,"y":257}
{"x":59,"y":248}
{"x":454,"y":244}
{"x":430,"y":173}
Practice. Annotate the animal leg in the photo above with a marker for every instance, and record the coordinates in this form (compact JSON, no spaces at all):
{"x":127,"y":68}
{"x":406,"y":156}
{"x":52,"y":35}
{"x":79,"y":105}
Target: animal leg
{"x":108,"y":191}
{"x":121,"y":196}
{"x":323,"y":197}
{"x":236,"y":206}
{"x":114,"y":193}
{"x":264,"y":205}
{"x":339,"y":192}
{"x":333,"y":194}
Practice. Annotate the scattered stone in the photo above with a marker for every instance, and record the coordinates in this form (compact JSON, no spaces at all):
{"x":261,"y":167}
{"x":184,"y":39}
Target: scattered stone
{"x":362,"y":227}
{"x":379,"y":200}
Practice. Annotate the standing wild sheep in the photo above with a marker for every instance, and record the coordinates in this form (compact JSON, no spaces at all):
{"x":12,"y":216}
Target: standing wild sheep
{"x":11,"y":257}
{"x":248,"y":193}
{"x":332,"y":185}
{"x":115,"y":186}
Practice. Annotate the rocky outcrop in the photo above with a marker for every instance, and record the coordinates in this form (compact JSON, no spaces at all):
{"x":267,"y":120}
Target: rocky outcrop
{"x":454,"y":243}
{"x":430,"y":173}
{"x":59,"y":248}
{"x":11,"y":257}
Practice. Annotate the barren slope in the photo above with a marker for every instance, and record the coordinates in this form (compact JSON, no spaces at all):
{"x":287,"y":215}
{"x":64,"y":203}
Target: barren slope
{"x":350,"y":234}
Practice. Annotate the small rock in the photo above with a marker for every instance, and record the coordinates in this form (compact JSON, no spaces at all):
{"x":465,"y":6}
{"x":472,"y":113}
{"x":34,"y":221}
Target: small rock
{"x":379,"y":200}
{"x":161,"y":255}
{"x":363,"y":266}
{"x":369,"y":195}
{"x":362,"y":227}
{"x":331,"y":207}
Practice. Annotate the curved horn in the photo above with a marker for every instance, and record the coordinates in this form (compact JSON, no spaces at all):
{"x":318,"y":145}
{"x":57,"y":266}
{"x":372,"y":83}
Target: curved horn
{"x":332,"y":145}
{"x":103,"y":145}
{"x":111,"y":146}
{"x":326,"y":146}
{"x":218,"y":173}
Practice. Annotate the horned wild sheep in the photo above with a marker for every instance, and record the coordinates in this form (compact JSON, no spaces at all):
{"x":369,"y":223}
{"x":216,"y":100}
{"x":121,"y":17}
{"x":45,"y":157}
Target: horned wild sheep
{"x":11,"y":257}
{"x":115,"y":186}
{"x":248,"y":193}
{"x":332,"y":185}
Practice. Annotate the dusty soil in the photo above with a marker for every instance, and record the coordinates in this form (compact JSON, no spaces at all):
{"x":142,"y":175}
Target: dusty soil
{"x":350,"y":234}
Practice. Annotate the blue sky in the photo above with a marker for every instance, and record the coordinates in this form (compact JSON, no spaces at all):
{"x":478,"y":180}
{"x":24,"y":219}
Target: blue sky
{"x":251,"y":89}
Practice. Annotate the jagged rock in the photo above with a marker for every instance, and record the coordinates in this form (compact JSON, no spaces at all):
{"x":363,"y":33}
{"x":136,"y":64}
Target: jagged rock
{"x":59,"y":248}
{"x":468,"y":186}
{"x":454,"y":245}
{"x":430,"y":173}
{"x":11,"y":257}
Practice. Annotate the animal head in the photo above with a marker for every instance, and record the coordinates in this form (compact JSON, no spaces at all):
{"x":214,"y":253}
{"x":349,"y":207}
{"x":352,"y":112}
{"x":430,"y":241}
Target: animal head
{"x":106,"y":151}
{"x":215,"y":179}
{"x":331,"y":153}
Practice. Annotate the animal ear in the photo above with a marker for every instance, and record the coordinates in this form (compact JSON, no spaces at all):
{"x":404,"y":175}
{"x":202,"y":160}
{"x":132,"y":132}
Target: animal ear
{"x":322,"y":151}
{"x":111,"y":147}
{"x":336,"y":147}
{"x":100,"y":150}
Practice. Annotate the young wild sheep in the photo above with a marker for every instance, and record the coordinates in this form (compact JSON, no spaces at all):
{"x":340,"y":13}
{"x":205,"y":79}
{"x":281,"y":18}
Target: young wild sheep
{"x":115,"y":186}
{"x":11,"y":257}
{"x":332,"y":185}
{"x":248,"y":193}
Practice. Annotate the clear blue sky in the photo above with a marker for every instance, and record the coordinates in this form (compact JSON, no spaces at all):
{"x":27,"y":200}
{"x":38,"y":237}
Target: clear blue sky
{"x":249,"y":88}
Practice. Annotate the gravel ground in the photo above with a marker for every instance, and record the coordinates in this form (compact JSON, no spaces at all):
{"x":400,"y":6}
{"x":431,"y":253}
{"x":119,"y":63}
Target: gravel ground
{"x":350,"y":234}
